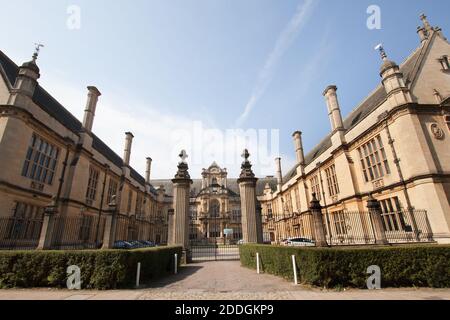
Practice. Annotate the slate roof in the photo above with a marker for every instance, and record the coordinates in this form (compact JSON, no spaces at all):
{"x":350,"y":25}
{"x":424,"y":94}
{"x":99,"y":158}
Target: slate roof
{"x":376,"y":98}
{"x":52,"y":107}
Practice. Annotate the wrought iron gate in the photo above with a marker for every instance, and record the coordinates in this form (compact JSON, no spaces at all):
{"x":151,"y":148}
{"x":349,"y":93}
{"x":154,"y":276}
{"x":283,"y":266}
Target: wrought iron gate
{"x":213,"y":249}
{"x":213,"y":245}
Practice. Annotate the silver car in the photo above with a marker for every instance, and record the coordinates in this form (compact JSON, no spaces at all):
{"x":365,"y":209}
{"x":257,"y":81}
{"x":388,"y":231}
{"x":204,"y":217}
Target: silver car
{"x":300,"y":242}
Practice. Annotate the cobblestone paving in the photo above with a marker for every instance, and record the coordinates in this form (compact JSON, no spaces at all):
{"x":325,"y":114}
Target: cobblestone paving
{"x":224,"y":280}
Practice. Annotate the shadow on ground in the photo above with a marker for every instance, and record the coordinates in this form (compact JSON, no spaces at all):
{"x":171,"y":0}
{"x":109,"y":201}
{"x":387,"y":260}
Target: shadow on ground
{"x":184,"y":272}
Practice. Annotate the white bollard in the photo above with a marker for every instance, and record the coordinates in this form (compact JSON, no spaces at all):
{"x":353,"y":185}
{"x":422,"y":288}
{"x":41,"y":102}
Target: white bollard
{"x":138,"y":274}
{"x":295,"y":269}
{"x":257,"y":263}
{"x":176,"y":263}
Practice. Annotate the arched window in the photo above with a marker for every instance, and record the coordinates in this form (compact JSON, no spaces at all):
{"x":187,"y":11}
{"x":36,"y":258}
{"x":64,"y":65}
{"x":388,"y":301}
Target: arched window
{"x":214,"y":209}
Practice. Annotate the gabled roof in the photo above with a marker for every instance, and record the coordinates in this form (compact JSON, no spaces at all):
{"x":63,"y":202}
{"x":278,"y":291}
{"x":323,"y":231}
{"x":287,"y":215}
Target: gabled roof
{"x":52,"y":107}
{"x":409,"y":69}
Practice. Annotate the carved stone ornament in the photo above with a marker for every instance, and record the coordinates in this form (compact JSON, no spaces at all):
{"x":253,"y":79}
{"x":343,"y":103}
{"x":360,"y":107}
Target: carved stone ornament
{"x":437,"y":132}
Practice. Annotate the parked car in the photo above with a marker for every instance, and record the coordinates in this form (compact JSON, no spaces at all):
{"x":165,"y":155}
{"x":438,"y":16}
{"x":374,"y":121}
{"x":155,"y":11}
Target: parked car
{"x":241,"y":241}
{"x":300,"y":242}
{"x":121,"y":244}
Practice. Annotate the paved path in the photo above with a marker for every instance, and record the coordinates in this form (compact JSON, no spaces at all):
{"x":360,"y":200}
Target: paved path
{"x":224,"y":280}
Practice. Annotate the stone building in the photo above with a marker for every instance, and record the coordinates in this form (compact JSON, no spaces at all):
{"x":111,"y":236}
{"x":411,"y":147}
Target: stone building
{"x":394,"y":145}
{"x":215,"y":205}
{"x":45,"y":153}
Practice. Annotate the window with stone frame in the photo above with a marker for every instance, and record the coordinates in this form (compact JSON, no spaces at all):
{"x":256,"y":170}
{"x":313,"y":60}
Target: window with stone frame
{"x":445,"y":63}
{"x":269,"y":210}
{"x":288,"y":202}
{"x":130,"y":198}
{"x":40,"y":160}
{"x":339,"y":221}
{"x":392,"y":214}
{"x":25,"y":223}
{"x":112,"y":190}
{"x":297,"y":199}
{"x":139,"y":204}
{"x":373,"y":159}
{"x":236,"y":214}
{"x":333,"y":186}
{"x":193,"y":213}
{"x":91,"y":191}
{"x":315,"y":186}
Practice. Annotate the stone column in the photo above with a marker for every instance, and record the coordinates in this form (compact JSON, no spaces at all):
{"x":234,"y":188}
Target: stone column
{"x":170,"y":214}
{"x":109,"y":233}
{"x":377,"y":223}
{"x":319,"y":226}
{"x":251,"y":222}
{"x":181,"y":189}
{"x":45,"y":238}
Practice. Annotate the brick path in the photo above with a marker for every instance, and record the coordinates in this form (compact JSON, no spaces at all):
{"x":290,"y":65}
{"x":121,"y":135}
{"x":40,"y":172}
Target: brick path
{"x":224,"y":280}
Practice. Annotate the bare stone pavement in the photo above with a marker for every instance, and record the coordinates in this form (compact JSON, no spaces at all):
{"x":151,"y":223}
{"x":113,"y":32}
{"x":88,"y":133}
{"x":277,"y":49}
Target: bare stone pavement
{"x":224,"y":280}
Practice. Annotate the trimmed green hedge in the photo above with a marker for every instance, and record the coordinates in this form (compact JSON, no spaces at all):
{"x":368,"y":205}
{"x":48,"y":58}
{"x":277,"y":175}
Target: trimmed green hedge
{"x":100,"y":269}
{"x":401,"y":266}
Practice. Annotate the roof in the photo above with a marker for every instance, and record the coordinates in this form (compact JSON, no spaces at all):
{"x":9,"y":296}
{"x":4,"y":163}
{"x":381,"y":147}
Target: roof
{"x":52,"y":107}
{"x":232,"y":185}
{"x":375,"y":99}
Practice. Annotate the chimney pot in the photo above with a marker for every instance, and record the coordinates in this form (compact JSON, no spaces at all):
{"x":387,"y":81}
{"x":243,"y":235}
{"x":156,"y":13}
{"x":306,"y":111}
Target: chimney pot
{"x":298,"y":144}
{"x":91,"y":105}
{"x":127,"y":152}
{"x":279,"y":174}
{"x":334,"y":111}
{"x":148,"y":170}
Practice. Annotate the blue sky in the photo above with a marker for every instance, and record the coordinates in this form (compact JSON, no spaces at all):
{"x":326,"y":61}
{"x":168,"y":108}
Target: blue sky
{"x":166,"y":65}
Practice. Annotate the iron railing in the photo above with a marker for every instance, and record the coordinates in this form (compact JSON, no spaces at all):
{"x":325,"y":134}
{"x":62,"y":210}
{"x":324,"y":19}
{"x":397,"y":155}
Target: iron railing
{"x":20,"y":233}
{"x":349,"y":227}
{"x":77,"y":232}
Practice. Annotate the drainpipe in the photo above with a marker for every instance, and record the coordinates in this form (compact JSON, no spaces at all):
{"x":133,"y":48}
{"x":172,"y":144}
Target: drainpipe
{"x":324,"y":201}
{"x":402,"y":180}
{"x":100,"y":210}
{"x":63,"y":173}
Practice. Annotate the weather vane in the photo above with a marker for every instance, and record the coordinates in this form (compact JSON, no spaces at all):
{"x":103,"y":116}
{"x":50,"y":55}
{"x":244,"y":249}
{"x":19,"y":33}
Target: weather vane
{"x":380,"y":48}
{"x":183,"y":155}
{"x":38,"y":47}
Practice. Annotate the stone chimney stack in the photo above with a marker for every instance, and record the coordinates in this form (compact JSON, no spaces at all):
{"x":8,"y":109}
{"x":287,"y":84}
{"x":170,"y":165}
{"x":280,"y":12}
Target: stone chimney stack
{"x":91,"y":104}
{"x":298,"y":144}
{"x":148,"y":170}
{"x":334,"y":111}
{"x":127,"y":152}
{"x":279,"y":174}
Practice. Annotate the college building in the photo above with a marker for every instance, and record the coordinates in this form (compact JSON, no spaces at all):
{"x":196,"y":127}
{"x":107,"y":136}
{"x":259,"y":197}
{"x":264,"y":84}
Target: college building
{"x":393,"y":146}
{"x":60,"y":184}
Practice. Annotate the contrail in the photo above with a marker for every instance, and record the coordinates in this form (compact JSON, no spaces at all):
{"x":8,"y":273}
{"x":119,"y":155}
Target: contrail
{"x":283,"y":43}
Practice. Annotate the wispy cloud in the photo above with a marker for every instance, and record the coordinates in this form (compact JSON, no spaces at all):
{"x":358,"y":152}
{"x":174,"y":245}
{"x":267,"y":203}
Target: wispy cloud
{"x":283,"y":43}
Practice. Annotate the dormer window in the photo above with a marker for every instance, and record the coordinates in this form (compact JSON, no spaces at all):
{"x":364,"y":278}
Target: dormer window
{"x":445,"y":63}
